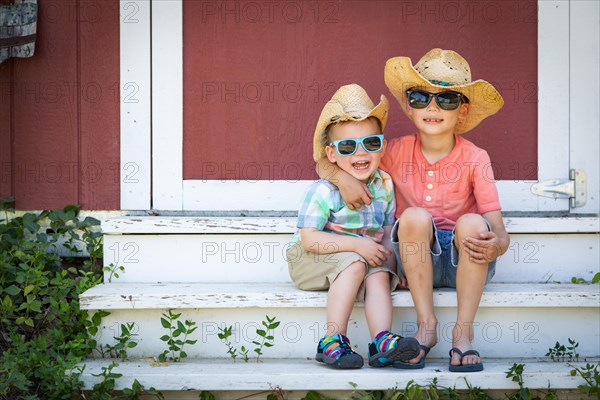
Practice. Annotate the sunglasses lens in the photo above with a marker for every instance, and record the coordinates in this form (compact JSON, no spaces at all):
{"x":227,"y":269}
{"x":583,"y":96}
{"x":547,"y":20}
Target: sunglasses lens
{"x":418,"y":99}
{"x":372,"y":143}
{"x":346,"y":147}
{"x":448,"y":100}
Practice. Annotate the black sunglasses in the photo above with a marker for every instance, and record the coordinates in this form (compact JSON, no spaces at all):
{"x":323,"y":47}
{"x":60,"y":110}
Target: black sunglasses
{"x":418,"y":99}
{"x":347,"y":147}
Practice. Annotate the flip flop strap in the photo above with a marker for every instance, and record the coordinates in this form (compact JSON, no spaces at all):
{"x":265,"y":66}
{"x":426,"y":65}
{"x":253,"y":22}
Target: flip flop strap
{"x":425,"y":349}
{"x":470,"y":353}
{"x":461,"y":354}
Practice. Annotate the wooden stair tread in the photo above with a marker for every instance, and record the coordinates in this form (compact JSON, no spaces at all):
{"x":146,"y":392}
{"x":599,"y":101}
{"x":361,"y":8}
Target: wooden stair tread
{"x":307,"y":374}
{"x":285,"y":295}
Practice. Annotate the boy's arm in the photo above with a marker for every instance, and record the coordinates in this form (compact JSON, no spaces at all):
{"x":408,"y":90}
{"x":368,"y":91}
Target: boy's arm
{"x":354,"y":192}
{"x":319,"y":242}
{"x":489,"y":245}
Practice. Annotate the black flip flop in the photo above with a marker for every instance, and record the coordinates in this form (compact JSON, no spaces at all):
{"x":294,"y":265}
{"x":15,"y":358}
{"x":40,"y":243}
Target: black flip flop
{"x":418,"y":365}
{"x":464,"y":368}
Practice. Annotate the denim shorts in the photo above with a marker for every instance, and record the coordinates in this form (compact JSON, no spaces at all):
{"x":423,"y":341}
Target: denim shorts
{"x":444,"y":255}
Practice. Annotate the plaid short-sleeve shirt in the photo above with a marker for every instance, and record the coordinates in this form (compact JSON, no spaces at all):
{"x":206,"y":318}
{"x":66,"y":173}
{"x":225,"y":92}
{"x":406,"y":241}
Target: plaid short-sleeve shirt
{"x":323,"y":208}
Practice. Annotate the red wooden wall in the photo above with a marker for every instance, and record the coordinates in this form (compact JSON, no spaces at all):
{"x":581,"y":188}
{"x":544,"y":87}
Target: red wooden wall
{"x":59,"y":110}
{"x":257,"y":74}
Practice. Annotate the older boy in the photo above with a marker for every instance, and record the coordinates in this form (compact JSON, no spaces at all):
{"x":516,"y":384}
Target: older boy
{"x":449,"y":229}
{"x":349,"y":251}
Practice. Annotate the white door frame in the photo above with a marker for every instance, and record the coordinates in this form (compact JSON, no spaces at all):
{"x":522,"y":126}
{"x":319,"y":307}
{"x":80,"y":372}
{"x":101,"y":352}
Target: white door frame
{"x":169,"y":191}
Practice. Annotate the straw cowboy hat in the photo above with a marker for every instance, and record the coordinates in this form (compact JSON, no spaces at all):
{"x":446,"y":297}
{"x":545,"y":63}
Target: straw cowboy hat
{"x":349,"y":103}
{"x":443,"y":69}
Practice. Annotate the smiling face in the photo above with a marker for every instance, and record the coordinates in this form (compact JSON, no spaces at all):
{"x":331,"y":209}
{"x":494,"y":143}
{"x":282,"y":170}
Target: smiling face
{"x":434,"y":121}
{"x":361,"y":164}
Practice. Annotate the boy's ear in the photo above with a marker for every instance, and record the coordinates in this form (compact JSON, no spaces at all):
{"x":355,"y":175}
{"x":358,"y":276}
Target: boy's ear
{"x":331,"y":153}
{"x":464,"y":110}
{"x":383,"y":147}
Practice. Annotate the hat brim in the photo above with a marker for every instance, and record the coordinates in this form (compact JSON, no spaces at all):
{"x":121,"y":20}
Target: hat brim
{"x":334,"y":109}
{"x":484,"y":99}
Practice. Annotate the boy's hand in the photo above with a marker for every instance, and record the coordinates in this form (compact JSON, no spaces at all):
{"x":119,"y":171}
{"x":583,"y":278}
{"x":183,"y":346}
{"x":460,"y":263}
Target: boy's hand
{"x":374,"y":253}
{"x":403,"y":283}
{"x":484,"y":249}
{"x":355,"y":193}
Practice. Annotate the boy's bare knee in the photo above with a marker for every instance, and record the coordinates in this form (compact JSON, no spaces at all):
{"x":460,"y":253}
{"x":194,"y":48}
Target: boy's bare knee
{"x":378,"y":278}
{"x":414,"y":220}
{"x":357,"y":271}
{"x":470,"y":224}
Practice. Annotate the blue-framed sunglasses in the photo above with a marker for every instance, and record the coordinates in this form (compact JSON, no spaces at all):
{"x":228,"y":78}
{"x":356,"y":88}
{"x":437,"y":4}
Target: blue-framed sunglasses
{"x":347,"y":147}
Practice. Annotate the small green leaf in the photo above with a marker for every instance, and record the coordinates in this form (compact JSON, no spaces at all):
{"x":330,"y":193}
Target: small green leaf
{"x":12,"y":290}
{"x":165,"y":323}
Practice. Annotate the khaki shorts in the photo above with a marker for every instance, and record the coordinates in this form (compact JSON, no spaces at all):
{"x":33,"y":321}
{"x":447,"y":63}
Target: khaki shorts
{"x":311,"y":271}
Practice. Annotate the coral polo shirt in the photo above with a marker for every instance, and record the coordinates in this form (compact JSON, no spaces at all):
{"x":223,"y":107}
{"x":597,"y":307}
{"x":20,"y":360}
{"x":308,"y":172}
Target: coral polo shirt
{"x":460,"y":183}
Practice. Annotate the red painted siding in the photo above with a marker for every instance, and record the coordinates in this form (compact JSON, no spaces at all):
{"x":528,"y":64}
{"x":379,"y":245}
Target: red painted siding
{"x":60,"y":110}
{"x":257,"y":74}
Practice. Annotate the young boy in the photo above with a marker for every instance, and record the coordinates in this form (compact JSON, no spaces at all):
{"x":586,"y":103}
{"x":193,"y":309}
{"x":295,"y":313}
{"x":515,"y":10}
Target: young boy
{"x":349,"y":251}
{"x":449,"y":227}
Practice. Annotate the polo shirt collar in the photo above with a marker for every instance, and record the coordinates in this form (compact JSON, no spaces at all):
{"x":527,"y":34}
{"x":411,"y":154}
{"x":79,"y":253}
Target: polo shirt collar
{"x":452,"y":156}
{"x":375,"y":180}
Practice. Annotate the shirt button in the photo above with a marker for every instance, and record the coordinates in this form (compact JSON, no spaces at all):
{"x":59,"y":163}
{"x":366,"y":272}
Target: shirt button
{"x":430,"y":173}
{"x":430,"y":186}
{"x":428,"y":198}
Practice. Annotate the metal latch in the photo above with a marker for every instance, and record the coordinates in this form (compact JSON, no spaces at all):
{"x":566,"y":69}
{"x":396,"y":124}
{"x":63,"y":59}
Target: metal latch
{"x":574,"y":189}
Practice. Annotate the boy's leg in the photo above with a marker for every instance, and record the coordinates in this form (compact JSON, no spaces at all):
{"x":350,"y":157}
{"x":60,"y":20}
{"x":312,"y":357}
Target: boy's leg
{"x":341,"y":297}
{"x":470,"y":281}
{"x":415,"y":234}
{"x":378,"y":303}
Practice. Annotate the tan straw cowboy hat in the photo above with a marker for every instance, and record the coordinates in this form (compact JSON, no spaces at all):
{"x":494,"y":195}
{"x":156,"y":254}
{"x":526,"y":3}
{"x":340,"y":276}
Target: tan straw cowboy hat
{"x":443,"y":69}
{"x":349,"y":103}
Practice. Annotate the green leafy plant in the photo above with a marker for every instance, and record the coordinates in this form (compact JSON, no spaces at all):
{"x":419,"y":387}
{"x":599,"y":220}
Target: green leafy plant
{"x":113,"y":270}
{"x":104,"y":389}
{"x":523,"y":393}
{"x":578,"y":280}
{"x":591,"y":375}
{"x":224,"y":334}
{"x":176,"y":328}
{"x":560,"y":351}
{"x":557,"y":353}
{"x":266,"y":335}
{"x":137,"y":390}
{"x":205,"y":395}
{"x":124,"y":341}
{"x":265,"y":339}
{"x":43,"y":331}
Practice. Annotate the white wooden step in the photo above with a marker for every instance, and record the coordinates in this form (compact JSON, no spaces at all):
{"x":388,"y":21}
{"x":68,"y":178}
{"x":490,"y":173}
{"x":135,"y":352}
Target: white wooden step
{"x":513,"y":320}
{"x":304,"y":375}
{"x":205,"y":225}
{"x":265,"y":295}
{"x":262,"y":257}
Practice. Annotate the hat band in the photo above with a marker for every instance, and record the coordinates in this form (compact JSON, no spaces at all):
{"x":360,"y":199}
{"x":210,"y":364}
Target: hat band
{"x":440,"y":83}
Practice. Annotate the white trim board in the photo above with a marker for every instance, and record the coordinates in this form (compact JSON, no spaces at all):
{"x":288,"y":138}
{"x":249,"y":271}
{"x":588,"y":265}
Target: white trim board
{"x":135,"y":104}
{"x":167,"y":104}
{"x":585,"y":84}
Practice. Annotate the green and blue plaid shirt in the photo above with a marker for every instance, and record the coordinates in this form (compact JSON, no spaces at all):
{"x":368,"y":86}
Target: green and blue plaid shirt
{"x":323,"y":208}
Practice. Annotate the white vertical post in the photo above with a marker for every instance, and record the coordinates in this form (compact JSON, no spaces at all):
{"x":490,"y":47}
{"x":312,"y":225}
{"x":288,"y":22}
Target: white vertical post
{"x":584,"y":99}
{"x":167,"y":104}
{"x":135,"y":104}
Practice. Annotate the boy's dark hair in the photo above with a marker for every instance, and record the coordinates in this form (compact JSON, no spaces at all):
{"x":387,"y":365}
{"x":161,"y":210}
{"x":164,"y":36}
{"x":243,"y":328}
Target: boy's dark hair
{"x":325,"y":138}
